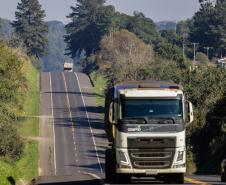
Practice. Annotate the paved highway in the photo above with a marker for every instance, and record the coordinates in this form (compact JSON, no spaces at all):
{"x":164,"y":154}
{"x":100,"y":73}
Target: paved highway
{"x":73,"y":140}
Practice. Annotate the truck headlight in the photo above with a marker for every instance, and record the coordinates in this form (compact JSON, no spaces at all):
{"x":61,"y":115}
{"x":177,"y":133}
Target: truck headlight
{"x":123,"y":159}
{"x":180,"y":156}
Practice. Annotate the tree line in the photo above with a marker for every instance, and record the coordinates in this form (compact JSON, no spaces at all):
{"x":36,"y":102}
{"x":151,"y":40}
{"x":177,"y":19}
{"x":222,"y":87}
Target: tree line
{"x":28,"y":40}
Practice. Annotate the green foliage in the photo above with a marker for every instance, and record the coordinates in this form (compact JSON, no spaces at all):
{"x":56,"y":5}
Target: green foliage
{"x":30,"y":26}
{"x":202,"y":58}
{"x":11,"y":145}
{"x":171,"y":36}
{"x":170,"y":52}
{"x":13,"y":85}
{"x":183,"y":27}
{"x":89,"y":22}
{"x":123,"y":50}
{"x":209,"y":25}
{"x":143,"y":27}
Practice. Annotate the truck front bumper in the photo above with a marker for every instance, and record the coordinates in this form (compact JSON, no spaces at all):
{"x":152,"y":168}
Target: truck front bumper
{"x":151,"y":172}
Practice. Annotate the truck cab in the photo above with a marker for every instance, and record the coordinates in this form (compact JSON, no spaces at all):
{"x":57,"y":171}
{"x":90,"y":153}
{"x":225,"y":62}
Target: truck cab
{"x":68,"y":66}
{"x":145,"y":124}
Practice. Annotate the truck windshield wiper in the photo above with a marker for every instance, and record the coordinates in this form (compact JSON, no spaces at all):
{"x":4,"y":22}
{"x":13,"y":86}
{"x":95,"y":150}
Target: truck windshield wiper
{"x":137,"y":120}
{"x":150,"y":120}
{"x":169,"y":120}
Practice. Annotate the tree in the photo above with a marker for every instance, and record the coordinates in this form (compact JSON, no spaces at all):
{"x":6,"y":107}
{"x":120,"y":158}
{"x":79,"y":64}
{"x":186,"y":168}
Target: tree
{"x":30,"y":27}
{"x":143,"y":27}
{"x":202,"y":23}
{"x":123,"y":56}
{"x":218,"y":27}
{"x":90,"y":20}
{"x":209,"y":25}
{"x":171,"y":36}
{"x":183,"y":27}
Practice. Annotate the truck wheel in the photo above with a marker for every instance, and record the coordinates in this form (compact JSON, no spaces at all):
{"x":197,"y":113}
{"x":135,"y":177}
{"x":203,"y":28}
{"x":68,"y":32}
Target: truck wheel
{"x":223,"y":177}
{"x":168,"y":179}
{"x":122,"y":179}
{"x":174,"y":179}
{"x":179,"y":178}
{"x":109,"y":166}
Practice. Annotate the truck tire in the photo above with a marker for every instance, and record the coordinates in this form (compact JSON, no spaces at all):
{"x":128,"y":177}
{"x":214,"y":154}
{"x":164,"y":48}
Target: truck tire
{"x":168,"y":179}
{"x":179,"y":178}
{"x":174,"y":179}
{"x":122,"y":179}
{"x":109,"y":166}
{"x":223,"y":177}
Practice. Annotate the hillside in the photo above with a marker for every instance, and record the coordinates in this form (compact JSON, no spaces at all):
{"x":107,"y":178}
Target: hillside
{"x":165,"y":25}
{"x":54,"y":60}
{"x":6,"y":29}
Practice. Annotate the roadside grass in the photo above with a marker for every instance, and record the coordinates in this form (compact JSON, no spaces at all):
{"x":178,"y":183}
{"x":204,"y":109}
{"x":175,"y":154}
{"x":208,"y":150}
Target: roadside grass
{"x":27,"y":167}
{"x":29,"y":127}
{"x":99,"y":86}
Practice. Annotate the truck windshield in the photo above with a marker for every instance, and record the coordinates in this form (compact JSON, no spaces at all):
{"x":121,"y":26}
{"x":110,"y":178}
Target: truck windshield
{"x":152,"y":108}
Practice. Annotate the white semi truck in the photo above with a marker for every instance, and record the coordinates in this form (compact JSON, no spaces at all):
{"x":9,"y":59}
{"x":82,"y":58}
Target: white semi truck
{"x":145,"y":124}
{"x":68,"y":66}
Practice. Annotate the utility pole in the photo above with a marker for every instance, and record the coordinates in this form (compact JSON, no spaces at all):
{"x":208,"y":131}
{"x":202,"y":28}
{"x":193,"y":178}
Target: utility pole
{"x":194,"y":55}
{"x":183,"y":49}
{"x":207,"y":50}
{"x":194,"y":59}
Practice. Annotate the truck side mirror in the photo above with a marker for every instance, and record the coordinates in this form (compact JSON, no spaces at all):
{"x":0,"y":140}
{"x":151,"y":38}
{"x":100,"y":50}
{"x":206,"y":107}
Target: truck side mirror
{"x":190,"y":114}
{"x":111,"y":113}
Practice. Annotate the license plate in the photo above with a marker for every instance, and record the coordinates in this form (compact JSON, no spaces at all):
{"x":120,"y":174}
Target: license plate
{"x":151,"y":172}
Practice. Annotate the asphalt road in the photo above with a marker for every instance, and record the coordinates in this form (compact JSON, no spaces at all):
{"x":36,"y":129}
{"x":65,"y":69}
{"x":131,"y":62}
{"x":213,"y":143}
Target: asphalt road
{"x":73,"y":141}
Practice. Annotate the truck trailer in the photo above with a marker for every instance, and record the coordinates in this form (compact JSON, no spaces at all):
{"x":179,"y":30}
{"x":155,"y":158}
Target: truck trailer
{"x":145,"y":122}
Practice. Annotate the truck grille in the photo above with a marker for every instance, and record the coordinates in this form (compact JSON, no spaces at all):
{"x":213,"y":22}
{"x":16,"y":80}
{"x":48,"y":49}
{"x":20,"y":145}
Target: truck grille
{"x":151,"y":153}
{"x":151,"y":159}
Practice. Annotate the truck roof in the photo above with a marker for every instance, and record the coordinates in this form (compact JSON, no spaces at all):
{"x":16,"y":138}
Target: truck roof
{"x":147,"y":84}
{"x":67,"y":64}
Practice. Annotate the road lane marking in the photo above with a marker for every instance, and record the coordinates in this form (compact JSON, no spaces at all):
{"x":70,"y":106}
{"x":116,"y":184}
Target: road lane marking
{"x":193,"y":181}
{"x":95,"y":177}
{"x":54,"y":137}
{"x":72,"y":123}
{"x":91,"y":130}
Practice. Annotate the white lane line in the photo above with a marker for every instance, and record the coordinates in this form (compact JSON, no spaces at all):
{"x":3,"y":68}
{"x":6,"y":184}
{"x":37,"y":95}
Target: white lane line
{"x":91,"y":130}
{"x":95,"y":177}
{"x":54,"y":135}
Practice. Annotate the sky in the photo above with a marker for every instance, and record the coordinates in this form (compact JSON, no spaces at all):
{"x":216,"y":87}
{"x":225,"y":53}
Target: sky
{"x":158,"y":10}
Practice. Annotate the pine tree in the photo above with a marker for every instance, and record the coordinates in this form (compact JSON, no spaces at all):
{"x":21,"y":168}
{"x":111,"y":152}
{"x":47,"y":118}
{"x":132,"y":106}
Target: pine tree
{"x":201,"y":25}
{"x":90,"y":20}
{"x":219,"y":27}
{"x":30,"y":27}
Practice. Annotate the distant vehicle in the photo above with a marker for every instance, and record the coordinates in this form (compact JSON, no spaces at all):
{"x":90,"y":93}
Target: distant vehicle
{"x":223,"y":171}
{"x":146,"y":126}
{"x":221,"y":63}
{"x":68,"y":66}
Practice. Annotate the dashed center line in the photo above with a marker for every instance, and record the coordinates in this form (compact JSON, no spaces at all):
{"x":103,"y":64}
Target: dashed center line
{"x":193,"y":181}
{"x":71,"y":120}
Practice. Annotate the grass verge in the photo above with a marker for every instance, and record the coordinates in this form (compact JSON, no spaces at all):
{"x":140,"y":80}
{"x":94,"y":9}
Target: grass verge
{"x":26,"y":168}
{"x":99,"y":87}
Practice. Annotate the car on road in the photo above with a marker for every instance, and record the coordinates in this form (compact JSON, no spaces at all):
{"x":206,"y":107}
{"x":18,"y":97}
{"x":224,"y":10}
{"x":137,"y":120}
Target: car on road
{"x":223,"y":171}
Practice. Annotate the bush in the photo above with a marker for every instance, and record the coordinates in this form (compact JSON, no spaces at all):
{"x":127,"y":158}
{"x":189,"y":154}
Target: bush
{"x":13,"y":86}
{"x":11,"y":145}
